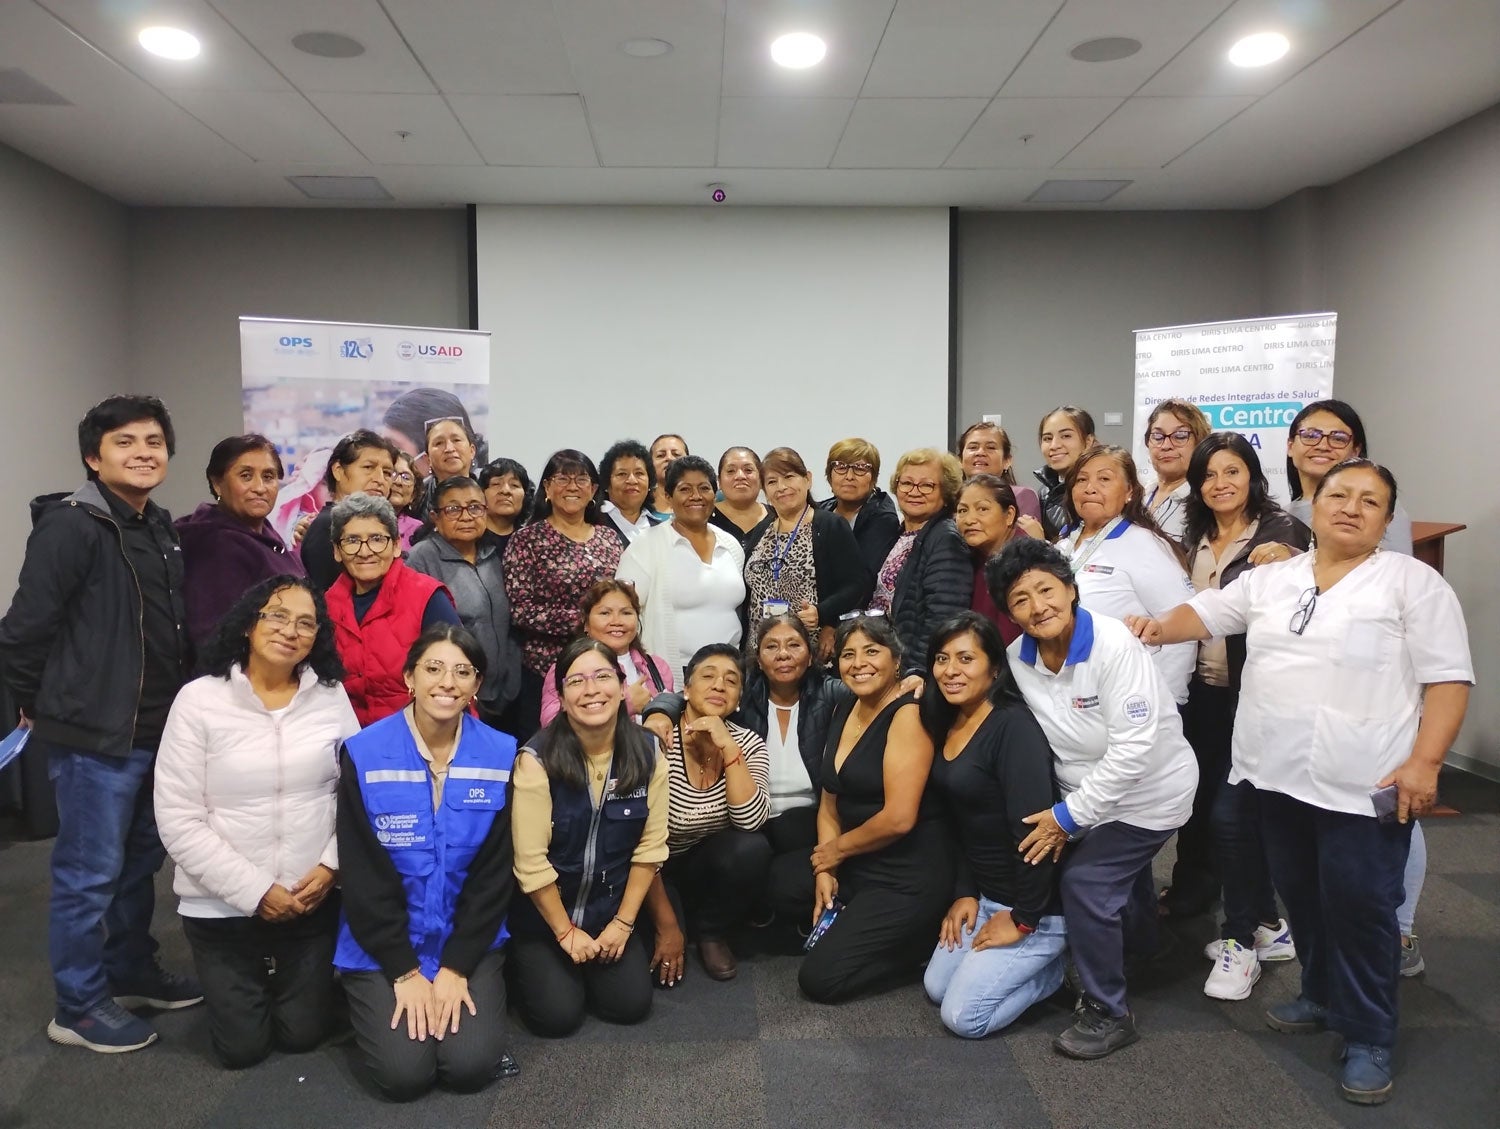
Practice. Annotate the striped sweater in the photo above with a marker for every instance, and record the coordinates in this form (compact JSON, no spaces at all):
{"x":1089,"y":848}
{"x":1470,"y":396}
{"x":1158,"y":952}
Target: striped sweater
{"x":693,"y":815}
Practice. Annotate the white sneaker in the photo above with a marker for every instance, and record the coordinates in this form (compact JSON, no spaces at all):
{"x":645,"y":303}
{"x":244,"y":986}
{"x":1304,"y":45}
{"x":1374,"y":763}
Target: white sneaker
{"x":1234,"y":975}
{"x":1270,"y":944}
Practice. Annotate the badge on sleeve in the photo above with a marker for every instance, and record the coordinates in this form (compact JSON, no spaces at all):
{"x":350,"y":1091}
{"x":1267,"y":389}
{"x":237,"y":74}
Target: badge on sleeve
{"x":1137,"y":708}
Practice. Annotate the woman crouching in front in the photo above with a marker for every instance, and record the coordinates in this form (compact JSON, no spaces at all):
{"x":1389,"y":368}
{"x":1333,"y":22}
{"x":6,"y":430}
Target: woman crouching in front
{"x":1126,"y":772}
{"x":1000,"y":948}
{"x":590,"y":827}
{"x":425,"y":862}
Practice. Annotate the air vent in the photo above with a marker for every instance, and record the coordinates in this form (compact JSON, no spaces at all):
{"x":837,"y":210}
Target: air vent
{"x":1077,"y":191}
{"x":340,"y":187}
{"x":17,"y":88}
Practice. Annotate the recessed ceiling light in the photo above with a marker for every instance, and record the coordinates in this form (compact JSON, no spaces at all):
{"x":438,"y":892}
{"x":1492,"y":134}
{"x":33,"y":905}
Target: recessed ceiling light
{"x":1105,"y":50}
{"x":170,"y":42}
{"x":328,"y":45}
{"x":799,"y":50}
{"x":1259,"y":50}
{"x":1077,"y":191}
{"x":645,"y":48}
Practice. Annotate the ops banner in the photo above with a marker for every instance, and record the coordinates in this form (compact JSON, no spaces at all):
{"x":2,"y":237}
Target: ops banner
{"x":1248,"y":376}
{"x":308,"y":383}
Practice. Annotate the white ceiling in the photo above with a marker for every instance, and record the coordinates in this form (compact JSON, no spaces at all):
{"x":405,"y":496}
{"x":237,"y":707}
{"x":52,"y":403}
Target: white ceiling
{"x":940,"y":102}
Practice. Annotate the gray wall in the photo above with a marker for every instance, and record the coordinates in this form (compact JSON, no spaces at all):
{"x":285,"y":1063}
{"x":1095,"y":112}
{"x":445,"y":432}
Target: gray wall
{"x":195,"y":271}
{"x":1047,"y":304}
{"x":63,"y":311}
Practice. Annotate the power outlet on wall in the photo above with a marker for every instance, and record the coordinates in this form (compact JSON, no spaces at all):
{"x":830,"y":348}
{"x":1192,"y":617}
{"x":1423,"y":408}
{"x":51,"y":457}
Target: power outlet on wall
{"x":1114,"y":419}
{"x":992,"y":417}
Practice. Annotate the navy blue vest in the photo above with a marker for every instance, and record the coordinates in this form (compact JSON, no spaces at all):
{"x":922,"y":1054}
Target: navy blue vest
{"x":432,"y":850}
{"x":590,"y":849}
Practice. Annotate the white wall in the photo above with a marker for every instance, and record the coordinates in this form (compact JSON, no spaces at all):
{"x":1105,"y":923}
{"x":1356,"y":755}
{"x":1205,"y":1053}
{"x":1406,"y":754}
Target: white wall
{"x":63,"y":287}
{"x":194,"y":271}
{"x":761,"y":326}
{"x":1048,"y":302}
{"x":1411,"y":251}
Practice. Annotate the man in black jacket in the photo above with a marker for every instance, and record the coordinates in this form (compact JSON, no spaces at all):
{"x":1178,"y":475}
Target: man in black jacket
{"x":94,"y":649}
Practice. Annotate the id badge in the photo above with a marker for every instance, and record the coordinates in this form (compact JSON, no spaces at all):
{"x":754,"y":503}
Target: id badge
{"x":769,"y":608}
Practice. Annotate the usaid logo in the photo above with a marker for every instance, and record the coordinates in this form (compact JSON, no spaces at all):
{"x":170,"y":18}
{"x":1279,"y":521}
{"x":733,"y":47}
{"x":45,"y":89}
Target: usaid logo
{"x":440,"y":351}
{"x":360,"y":349}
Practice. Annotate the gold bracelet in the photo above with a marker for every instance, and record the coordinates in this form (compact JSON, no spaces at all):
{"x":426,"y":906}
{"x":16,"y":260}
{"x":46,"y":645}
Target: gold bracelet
{"x":405,"y":976}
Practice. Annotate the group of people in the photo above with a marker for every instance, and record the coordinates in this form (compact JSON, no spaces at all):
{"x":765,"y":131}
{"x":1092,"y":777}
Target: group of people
{"x":463,"y":739}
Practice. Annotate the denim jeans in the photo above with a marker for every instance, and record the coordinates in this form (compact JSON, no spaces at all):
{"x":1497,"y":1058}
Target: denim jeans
{"x":1249,"y":897}
{"x":983,"y":992}
{"x":104,"y":863}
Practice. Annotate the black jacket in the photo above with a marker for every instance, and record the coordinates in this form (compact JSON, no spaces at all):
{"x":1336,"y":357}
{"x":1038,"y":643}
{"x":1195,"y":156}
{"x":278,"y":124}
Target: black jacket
{"x":71,"y":644}
{"x":876,"y":527}
{"x":1054,"y":507}
{"x":844,"y":584}
{"x":1275,"y":526}
{"x":818,"y":696}
{"x":936,"y":582}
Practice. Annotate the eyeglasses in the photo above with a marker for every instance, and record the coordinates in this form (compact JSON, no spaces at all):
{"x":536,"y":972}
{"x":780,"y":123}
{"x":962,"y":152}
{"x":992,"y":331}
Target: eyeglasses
{"x":1305,"y":608}
{"x":1160,"y":438}
{"x":401,"y":476}
{"x":427,"y":424}
{"x":866,"y":613}
{"x":920,"y":489}
{"x":377,"y":542}
{"x":280,"y":621}
{"x":473,"y":509}
{"x":571,"y":480}
{"x":1312,"y":436}
{"x":859,"y":470}
{"x":462,"y":672}
{"x":600,"y":679}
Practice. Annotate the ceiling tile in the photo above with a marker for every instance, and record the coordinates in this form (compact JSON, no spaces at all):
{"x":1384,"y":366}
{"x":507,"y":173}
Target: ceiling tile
{"x":904,"y":133}
{"x":227,"y":61}
{"x":954,"y":48}
{"x":527,"y":129}
{"x":851,"y":28}
{"x":270,"y":125}
{"x":1203,"y":68}
{"x":486,"y":46}
{"x":1149,"y":132}
{"x":387,"y":66}
{"x":781,"y":133}
{"x":1029,"y":133}
{"x":1161,"y":26}
{"x":374,"y":123}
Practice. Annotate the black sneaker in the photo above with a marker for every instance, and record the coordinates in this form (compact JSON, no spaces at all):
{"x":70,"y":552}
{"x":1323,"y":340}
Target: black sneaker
{"x":1095,"y":1033}
{"x":157,"y":988}
{"x":106,"y":1028}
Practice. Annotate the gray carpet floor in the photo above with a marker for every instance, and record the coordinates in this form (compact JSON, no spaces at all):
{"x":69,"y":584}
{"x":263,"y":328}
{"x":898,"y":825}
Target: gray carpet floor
{"x":753,"y":1053}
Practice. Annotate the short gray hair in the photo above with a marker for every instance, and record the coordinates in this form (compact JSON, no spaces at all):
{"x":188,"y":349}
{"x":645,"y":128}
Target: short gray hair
{"x":362,"y":505}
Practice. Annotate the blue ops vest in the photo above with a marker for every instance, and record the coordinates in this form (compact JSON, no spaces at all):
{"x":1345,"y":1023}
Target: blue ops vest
{"x":432,"y":850}
{"x":590,"y":849}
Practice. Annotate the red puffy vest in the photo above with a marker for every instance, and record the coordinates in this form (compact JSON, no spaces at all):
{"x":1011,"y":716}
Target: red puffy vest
{"x":373,"y":652}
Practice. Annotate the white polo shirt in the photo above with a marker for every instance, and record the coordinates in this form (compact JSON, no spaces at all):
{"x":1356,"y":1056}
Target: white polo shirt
{"x":1324,"y":716}
{"x":1117,"y":744}
{"x":1132,"y":572}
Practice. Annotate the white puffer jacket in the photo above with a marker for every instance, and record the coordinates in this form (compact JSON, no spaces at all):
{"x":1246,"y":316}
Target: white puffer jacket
{"x":245,"y":798}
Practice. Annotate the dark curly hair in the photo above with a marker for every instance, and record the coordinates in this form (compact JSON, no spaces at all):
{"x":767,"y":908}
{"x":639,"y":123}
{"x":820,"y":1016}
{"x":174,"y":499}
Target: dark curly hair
{"x":1021,"y":556}
{"x":230,"y":643}
{"x":498,"y":468}
{"x":627,"y":449}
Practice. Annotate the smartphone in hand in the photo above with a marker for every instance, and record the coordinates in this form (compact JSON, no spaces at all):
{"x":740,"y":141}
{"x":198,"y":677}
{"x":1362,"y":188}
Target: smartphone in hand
{"x":827,"y":918}
{"x":1384,"y":800}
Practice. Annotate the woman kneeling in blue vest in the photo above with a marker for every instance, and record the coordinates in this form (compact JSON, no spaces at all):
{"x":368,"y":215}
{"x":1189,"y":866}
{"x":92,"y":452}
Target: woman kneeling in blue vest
{"x":590,"y":829}
{"x":426,"y":867}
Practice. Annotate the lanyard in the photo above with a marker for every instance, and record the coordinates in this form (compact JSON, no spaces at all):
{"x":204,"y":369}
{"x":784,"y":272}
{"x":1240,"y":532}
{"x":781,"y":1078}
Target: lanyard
{"x":1094,"y":543}
{"x":779,"y":549}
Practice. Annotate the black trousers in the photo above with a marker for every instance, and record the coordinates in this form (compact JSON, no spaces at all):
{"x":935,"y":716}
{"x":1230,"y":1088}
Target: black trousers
{"x":789,"y":885}
{"x":552,"y":993}
{"x":523,"y":716}
{"x":265,"y":986}
{"x":1208,"y":725}
{"x":405,"y":1069}
{"x":719,"y":880}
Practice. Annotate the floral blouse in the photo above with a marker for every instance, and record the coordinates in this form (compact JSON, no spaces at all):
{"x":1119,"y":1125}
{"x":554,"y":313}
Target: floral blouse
{"x":885,"y":581}
{"x":546,"y":575}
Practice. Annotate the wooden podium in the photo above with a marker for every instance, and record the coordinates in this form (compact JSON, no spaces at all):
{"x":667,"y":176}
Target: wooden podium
{"x":1427,"y":541}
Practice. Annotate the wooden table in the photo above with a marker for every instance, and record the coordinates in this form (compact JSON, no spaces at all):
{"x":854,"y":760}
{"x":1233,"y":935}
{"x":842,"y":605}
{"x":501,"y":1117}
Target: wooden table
{"x":1427,"y":541}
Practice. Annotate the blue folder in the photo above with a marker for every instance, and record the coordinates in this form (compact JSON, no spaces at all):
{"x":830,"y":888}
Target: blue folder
{"x":11,"y":747}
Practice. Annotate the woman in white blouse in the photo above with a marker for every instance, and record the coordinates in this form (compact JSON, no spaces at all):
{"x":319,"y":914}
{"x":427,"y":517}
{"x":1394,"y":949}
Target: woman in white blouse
{"x":1124,"y":563}
{"x":1173,"y":431}
{"x":1356,"y":680}
{"x":245,"y":801}
{"x":688,"y":574}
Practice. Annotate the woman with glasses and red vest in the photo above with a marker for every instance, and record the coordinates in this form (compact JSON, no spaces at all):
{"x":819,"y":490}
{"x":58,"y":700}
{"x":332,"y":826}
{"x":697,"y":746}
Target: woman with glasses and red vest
{"x":378,"y":606}
{"x":424,"y":842}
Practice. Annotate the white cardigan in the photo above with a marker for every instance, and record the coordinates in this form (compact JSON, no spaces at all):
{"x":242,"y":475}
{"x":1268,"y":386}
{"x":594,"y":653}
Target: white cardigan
{"x":246,"y":798}
{"x":645,"y":565}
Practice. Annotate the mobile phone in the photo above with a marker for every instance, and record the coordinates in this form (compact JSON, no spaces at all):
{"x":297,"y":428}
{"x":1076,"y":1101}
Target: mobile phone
{"x":824,"y":921}
{"x":1384,"y":800}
